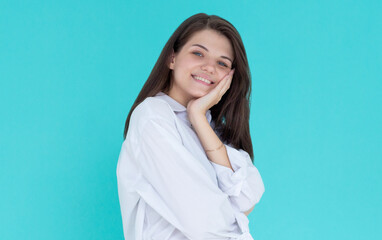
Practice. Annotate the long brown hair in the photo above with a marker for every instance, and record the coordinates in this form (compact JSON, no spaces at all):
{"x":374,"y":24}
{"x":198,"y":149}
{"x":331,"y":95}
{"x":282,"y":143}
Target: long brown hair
{"x":231,"y":114}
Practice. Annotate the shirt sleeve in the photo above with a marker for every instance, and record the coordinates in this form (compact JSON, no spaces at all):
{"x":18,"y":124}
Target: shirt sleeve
{"x":244,"y":185}
{"x":179,"y":187}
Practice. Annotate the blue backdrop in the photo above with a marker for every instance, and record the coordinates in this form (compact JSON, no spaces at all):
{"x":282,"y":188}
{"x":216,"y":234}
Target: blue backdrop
{"x":70,"y":71}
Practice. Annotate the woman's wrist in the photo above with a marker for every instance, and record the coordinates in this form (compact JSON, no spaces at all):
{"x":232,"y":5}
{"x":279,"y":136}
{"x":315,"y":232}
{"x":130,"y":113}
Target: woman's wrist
{"x":197,"y":118}
{"x":213,"y":146}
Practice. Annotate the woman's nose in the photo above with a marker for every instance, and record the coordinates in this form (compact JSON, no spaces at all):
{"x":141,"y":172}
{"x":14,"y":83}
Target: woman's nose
{"x":209,"y":66}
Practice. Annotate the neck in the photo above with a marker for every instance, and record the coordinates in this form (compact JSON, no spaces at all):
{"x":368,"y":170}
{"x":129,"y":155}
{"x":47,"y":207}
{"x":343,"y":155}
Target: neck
{"x":177,"y":96}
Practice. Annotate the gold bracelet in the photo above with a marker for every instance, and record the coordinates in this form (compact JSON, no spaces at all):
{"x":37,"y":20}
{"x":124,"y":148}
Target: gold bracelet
{"x":215,"y":149}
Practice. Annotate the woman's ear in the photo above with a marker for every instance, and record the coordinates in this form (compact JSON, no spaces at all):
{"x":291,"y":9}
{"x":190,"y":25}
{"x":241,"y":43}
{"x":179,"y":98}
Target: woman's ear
{"x":171,"y":61}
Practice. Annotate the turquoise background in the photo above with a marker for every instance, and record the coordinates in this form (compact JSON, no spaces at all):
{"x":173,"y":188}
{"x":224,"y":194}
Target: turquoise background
{"x":70,"y":71}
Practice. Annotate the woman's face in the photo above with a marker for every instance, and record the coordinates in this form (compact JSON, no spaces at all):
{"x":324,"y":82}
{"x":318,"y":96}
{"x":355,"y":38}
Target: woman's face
{"x":200,"y":65}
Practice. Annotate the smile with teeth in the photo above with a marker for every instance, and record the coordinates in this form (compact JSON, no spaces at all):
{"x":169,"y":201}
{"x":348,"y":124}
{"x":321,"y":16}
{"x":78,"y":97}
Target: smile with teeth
{"x":202,"y":79}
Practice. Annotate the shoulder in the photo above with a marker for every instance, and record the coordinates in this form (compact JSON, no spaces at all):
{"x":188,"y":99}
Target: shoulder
{"x":152,"y":109}
{"x":150,"y":118}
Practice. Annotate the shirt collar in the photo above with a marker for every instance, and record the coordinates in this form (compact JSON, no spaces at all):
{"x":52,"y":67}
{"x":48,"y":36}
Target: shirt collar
{"x":178,"y":108}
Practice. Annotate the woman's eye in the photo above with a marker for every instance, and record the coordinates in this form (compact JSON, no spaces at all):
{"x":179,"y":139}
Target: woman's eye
{"x":196,"y":53}
{"x":223,"y":64}
{"x":201,"y":55}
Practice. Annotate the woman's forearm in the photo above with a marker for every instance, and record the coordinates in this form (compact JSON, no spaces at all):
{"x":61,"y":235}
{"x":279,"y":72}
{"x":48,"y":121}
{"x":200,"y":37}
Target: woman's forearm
{"x":210,"y":141}
{"x":249,"y":211}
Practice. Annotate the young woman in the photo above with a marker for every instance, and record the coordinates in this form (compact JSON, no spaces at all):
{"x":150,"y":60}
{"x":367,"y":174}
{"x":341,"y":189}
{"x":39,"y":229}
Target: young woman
{"x":186,"y":170}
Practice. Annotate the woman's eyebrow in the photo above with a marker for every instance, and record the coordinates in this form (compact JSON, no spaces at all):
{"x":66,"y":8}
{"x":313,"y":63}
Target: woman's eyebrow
{"x":201,"y":46}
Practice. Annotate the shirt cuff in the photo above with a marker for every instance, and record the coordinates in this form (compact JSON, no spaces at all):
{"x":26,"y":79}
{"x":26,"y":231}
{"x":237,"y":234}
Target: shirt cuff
{"x":231,"y":182}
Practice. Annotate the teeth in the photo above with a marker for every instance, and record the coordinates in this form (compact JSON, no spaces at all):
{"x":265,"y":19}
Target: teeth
{"x":202,"y":79}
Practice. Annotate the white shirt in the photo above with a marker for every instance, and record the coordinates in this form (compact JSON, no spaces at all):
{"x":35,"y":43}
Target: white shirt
{"x":167,"y":187}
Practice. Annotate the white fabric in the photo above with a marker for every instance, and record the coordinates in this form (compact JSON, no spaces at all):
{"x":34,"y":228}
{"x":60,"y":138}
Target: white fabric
{"x":167,"y":187}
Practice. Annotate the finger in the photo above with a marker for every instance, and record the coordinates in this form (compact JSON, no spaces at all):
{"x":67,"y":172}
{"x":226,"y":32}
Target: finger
{"x":229,"y":81}
{"x":220,"y":85}
{"x":227,"y":75}
{"x":223,"y":85}
{"x":225,"y":88}
{"x":227,"y":85}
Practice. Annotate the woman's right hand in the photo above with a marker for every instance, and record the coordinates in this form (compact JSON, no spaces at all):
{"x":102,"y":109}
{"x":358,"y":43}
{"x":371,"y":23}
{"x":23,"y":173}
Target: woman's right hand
{"x":199,"y":106}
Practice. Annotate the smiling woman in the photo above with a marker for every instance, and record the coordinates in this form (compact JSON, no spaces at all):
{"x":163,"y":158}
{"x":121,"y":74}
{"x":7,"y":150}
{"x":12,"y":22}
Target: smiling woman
{"x":202,"y":59}
{"x":185,"y":170}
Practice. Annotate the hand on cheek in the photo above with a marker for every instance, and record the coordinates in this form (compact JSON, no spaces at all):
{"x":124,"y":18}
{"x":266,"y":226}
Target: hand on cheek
{"x":200,"y":105}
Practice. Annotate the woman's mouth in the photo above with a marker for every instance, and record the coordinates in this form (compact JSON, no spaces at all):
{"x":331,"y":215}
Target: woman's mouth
{"x":202,"y":80}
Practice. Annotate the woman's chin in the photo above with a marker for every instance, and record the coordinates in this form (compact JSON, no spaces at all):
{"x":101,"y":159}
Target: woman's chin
{"x":199,"y":93}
